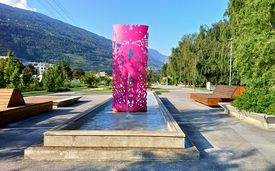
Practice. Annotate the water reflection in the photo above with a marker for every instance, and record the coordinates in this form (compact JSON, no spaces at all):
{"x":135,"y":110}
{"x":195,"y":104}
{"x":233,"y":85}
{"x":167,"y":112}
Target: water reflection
{"x":152,"y":120}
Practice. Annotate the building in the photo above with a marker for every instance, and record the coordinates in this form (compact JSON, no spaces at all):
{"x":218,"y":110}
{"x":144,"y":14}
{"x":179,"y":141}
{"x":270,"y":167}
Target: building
{"x":42,"y":67}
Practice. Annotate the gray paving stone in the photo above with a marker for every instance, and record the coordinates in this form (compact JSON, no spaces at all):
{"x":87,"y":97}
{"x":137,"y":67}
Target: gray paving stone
{"x":224,"y":142}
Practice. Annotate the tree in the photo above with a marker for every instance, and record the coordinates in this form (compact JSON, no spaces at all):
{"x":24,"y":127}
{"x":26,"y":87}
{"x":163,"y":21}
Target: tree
{"x":107,"y":80}
{"x":149,"y":79}
{"x":30,"y":68}
{"x":26,"y":77}
{"x":15,"y":79}
{"x":49,"y":78}
{"x":90,"y":79}
{"x":253,"y":27}
{"x":78,"y":73}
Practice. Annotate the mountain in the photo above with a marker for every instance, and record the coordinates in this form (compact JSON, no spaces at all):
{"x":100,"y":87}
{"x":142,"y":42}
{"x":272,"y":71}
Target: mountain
{"x":156,"y":55}
{"x":154,"y":64}
{"x":37,"y":37}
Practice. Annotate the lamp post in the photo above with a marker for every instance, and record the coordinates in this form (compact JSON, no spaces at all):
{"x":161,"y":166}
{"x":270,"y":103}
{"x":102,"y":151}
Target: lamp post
{"x":167,"y":76}
{"x":230,"y":61}
{"x":180,"y":72}
{"x":195,"y":73}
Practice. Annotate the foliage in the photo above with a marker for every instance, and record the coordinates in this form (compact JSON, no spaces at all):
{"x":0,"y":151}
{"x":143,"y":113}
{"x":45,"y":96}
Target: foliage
{"x":15,"y":79}
{"x":90,"y":79}
{"x":107,"y":80}
{"x":149,"y":79}
{"x":211,"y":49}
{"x":49,"y":78}
{"x":56,"y":77}
{"x":8,"y":66}
{"x":2,"y":81}
{"x":260,"y":100}
{"x":26,"y":77}
{"x":77,"y":73}
{"x":253,"y":25}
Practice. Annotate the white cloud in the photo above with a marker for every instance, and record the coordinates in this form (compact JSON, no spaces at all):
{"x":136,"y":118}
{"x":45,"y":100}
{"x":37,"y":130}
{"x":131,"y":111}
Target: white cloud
{"x":18,"y":4}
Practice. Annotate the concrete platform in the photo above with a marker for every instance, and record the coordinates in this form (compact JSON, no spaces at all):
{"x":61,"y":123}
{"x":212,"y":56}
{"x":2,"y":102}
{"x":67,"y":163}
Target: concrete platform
{"x":58,"y":101}
{"x":64,"y":142}
{"x":41,"y":152}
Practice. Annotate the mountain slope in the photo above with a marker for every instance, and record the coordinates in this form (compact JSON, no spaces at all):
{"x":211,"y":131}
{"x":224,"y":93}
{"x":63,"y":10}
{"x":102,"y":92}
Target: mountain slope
{"x":155,"y":54}
{"x":39,"y":38}
{"x":36,"y":37}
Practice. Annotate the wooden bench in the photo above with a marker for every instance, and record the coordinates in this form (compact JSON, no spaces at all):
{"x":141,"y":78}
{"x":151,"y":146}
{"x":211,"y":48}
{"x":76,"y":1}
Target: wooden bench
{"x":222,"y":93}
{"x":13,"y":106}
{"x":11,"y":98}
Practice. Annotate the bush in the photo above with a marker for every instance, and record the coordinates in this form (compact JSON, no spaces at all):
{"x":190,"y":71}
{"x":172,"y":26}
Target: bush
{"x":49,"y":78}
{"x":90,"y":79}
{"x":15,"y":79}
{"x":258,"y":100}
{"x":107,"y":80}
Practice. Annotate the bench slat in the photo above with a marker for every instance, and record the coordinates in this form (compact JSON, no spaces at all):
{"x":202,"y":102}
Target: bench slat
{"x":222,"y":93}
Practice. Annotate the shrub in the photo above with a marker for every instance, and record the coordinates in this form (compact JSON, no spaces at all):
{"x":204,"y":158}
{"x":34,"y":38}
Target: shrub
{"x":90,"y":79}
{"x":258,"y":100}
{"x":107,"y":80}
{"x":15,"y":79}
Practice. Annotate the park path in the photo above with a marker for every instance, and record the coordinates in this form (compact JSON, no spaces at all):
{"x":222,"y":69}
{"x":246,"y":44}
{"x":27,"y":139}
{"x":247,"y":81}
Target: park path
{"x":224,"y":142}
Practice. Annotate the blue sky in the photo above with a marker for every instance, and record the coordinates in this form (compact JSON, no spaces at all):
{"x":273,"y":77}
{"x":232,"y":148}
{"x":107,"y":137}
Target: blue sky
{"x":168,"y":21}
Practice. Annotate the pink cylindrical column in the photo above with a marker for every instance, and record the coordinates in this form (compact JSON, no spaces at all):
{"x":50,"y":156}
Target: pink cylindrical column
{"x":129,"y":67}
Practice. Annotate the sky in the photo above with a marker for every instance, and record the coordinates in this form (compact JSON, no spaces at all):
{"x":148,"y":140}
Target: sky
{"x":168,"y":20}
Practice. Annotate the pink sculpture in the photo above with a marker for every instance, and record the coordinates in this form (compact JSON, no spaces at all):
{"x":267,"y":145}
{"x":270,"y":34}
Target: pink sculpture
{"x":129,"y":67}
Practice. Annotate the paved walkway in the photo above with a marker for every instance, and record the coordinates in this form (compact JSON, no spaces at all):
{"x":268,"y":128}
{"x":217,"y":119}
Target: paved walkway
{"x":225,"y":143}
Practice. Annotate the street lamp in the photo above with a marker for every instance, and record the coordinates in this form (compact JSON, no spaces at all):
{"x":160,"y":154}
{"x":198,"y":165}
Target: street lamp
{"x":180,"y":72}
{"x":195,"y":73}
{"x":230,"y":61}
{"x":167,"y":76}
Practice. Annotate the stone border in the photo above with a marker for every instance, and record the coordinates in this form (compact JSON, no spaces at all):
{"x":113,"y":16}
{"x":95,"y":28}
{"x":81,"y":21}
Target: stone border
{"x":65,"y":135}
{"x":63,"y":143}
{"x":40,"y":152}
{"x":259,"y":119}
{"x":66,"y":101}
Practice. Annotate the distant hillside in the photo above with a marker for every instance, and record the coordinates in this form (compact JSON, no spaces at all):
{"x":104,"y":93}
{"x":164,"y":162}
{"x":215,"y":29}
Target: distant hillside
{"x":37,"y":37}
{"x":155,"y":54}
{"x":154,"y":64}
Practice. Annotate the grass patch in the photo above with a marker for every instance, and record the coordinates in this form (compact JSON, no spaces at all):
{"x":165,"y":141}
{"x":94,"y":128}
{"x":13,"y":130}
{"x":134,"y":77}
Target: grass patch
{"x":58,"y":91}
{"x":197,"y":88}
{"x":107,"y":90}
{"x":29,"y":89}
{"x":81,"y":88}
{"x":110,"y":90}
{"x":156,"y":89}
{"x":37,"y":93}
{"x":77,"y":84}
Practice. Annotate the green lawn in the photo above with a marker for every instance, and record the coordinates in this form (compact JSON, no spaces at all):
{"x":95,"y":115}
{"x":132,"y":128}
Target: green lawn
{"x":77,"y":84}
{"x":110,"y":90}
{"x":156,"y":89}
{"x":197,"y":88}
{"x":43,"y":93}
{"x":38,"y":93}
{"x":107,"y":90}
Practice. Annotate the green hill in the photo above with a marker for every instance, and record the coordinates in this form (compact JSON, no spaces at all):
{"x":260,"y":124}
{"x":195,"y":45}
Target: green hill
{"x":37,"y":37}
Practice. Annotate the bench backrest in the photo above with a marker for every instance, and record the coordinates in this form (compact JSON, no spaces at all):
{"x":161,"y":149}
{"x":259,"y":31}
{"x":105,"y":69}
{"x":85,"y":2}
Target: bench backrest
{"x":228,"y":91}
{"x":11,"y":98}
